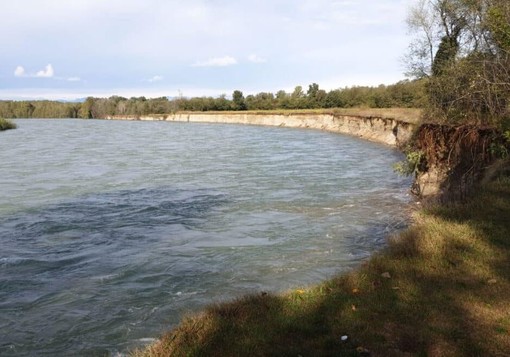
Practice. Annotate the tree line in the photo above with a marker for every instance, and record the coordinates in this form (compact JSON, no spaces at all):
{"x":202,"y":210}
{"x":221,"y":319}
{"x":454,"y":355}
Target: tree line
{"x":405,"y":94}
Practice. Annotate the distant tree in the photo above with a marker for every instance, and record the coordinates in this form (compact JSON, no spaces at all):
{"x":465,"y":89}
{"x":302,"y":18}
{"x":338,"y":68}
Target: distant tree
{"x":334,"y":99}
{"x":298,"y":99}
{"x":238,"y":101}
{"x":159,"y":105}
{"x":298,"y":92}
{"x":315,"y":97}
{"x":283,"y":100}
{"x":420,"y":56}
{"x":222,"y":103}
{"x":85,"y":111}
{"x":261,"y":101}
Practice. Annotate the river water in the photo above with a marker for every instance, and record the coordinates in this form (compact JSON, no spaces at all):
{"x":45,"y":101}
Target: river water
{"x":111,"y":231}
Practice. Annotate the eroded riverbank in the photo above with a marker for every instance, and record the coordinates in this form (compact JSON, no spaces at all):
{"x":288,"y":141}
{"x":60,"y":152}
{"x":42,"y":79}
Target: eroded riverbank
{"x":389,"y":131}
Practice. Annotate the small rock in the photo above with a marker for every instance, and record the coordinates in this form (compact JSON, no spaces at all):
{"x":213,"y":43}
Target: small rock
{"x":386,"y":275}
{"x":362,"y":351}
{"x":344,"y":338}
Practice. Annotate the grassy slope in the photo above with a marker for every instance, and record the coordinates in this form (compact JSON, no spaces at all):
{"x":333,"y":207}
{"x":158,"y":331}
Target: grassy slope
{"x":442,"y":288}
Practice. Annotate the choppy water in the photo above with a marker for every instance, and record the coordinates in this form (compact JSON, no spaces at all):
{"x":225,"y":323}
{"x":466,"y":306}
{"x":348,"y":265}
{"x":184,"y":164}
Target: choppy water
{"x":110,"y":231}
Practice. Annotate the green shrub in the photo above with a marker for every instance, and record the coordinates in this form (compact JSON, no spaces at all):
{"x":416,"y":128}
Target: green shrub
{"x":6,"y":124}
{"x":411,"y":165}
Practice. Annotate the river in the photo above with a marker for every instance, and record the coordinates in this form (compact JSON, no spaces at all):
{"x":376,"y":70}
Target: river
{"x":111,"y":231}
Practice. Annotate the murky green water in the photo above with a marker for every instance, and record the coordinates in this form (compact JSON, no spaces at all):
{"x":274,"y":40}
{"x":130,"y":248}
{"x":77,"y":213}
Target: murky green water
{"x":110,"y":231}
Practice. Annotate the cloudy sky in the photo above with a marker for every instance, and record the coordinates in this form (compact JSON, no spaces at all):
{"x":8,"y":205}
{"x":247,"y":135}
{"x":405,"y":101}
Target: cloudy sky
{"x":64,"y":49}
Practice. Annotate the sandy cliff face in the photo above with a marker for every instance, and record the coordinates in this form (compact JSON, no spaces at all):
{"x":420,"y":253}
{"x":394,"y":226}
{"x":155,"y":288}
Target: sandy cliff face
{"x":388,"y":131}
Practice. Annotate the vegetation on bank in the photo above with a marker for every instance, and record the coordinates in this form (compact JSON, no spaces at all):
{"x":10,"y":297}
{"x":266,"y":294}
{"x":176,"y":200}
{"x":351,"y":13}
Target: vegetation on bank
{"x":441,"y":288}
{"x":462,"y":48}
{"x":6,"y":124}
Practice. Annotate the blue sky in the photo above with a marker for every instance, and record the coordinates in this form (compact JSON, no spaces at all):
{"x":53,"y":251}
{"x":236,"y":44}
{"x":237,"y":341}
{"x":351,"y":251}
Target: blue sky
{"x":64,"y":49}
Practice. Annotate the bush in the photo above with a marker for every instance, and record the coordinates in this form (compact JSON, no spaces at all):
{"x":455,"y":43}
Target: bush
{"x":411,"y":165}
{"x":6,"y":124}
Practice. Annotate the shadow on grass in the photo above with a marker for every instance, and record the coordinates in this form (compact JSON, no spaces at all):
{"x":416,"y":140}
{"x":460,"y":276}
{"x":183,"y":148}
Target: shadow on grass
{"x":442,"y":288}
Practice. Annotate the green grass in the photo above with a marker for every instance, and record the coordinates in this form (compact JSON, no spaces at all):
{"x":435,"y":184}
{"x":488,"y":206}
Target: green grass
{"x":441,"y":288}
{"x":6,"y":124}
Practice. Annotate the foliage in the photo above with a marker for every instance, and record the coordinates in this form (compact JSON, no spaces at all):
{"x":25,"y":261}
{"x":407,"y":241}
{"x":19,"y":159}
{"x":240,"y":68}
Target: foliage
{"x":411,"y":165}
{"x":499,"y":151}
{"x":463,"y":47}
{"x":6,"y":124}
{"x":238,"y":101}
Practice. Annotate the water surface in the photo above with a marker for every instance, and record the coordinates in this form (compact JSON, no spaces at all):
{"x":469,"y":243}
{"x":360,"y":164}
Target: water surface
{"x":111,"y":231}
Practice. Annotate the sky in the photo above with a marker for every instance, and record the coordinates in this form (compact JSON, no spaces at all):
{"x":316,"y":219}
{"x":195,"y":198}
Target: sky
{"x":68,"y":49}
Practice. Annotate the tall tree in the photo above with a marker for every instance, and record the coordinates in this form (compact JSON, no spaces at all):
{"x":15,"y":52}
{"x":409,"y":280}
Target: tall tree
{"x":467,"y":57}
{"x":238,"y":101}
{"x":85,"y":111}
{"x":421,"y":21}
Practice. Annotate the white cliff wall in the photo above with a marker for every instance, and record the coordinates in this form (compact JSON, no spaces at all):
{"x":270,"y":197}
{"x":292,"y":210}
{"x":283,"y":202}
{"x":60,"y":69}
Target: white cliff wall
{"x":388,"y":131}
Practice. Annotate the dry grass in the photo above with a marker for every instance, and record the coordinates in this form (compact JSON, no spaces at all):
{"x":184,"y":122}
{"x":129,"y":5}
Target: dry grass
{"x":441,"y":288}
{"x":410,"y":115}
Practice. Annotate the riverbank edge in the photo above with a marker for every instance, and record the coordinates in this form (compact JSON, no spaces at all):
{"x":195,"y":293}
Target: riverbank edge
{"x":389,"y":131}
{"x":440,"y":288}
{"x":221,"y":329}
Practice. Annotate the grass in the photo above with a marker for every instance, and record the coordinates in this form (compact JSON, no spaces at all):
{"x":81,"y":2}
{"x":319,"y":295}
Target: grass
{"x":6,"y":124}
{"x":411,"y":115}
{"x":441,"y":288}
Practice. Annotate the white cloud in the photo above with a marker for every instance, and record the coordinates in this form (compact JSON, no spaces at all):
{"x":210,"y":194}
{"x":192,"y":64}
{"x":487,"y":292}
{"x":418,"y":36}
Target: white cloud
{"x":155,"y":79}
{"x":256,"y":59}
{"x":19,"y":72}
{"x":47,"y":72}
{"x":322,"y":38}
{"x":216,"y":62}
